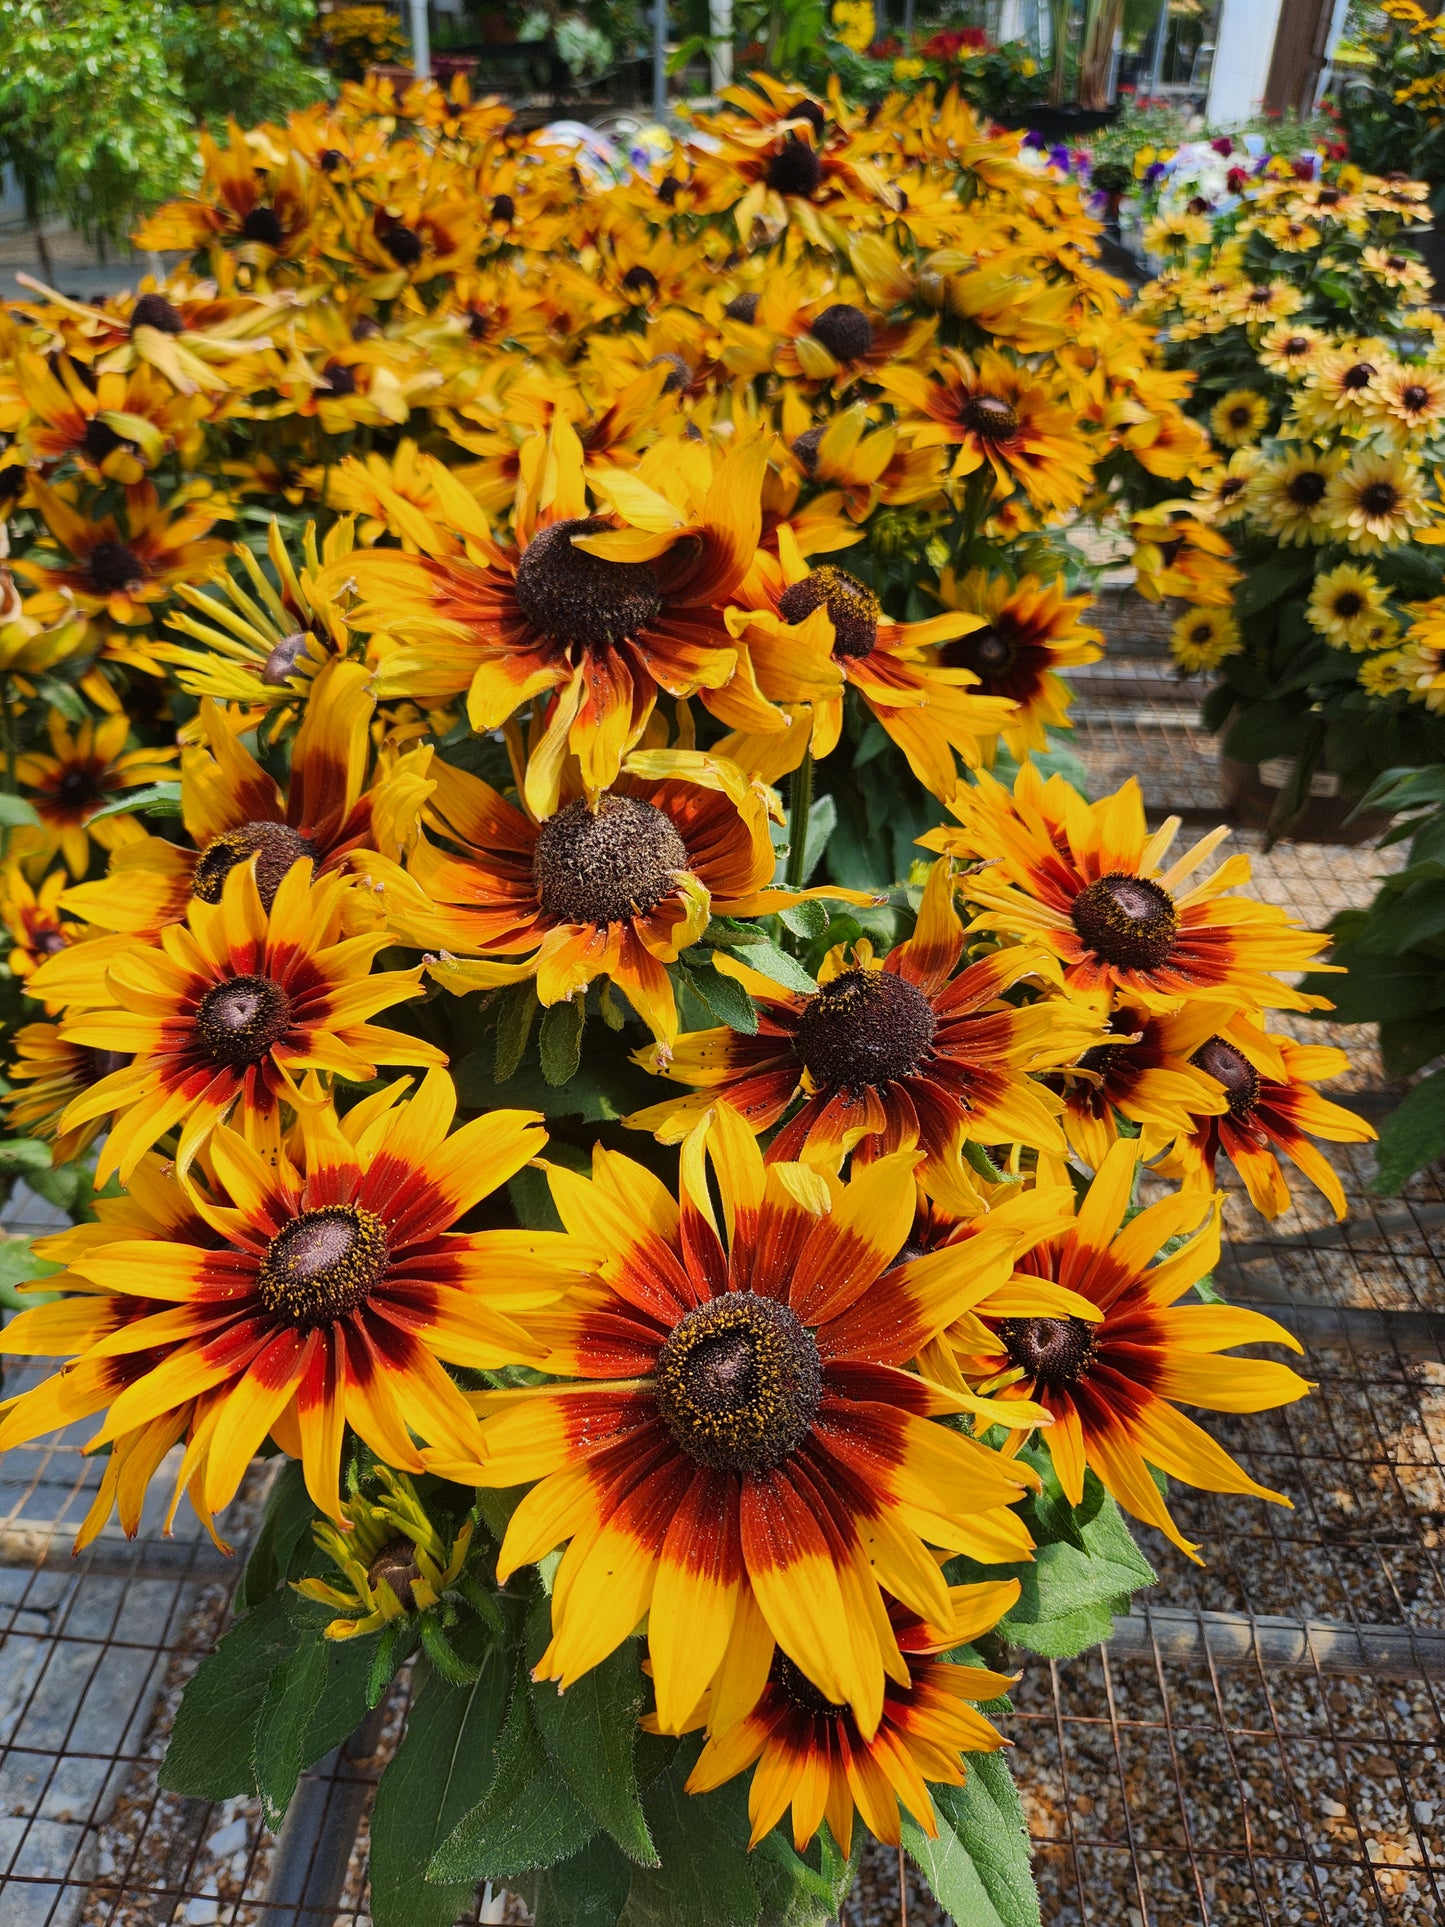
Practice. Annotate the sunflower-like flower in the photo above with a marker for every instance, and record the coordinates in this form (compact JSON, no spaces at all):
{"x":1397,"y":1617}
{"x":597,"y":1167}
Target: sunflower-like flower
{"x":1345,"y":605}
{"x":341,"y":803}
{"x":224,"y":1011}
{"x":116,"y":429}
{"x":1239,"y":418}
{"x":1088,"y":880}
{"x":85,"y":771}
{"x":391,"y":1554}
{"x":297,"y":1298}
{"x":1413,"y":399}
{"x":48,"y":1074}
{"x":1108,"y":1386}
{"x":1032,"y":630}
{"x":617,"y":889}
{"x":1288,"y":496}
{"x":1291,"y":349}
{"x":888,"y":1056}
{"x":1377,"y":501}
{"x":1000,"y":416}
{"x":33,"y":918}
{"x":200,"y":340}
{"x":1222,"y":494}
{"x":1203,"y":638}
{"x":1273,"y":1109}
{"x":807,"y":1750}
{"x":592,"y":617}
{"x":745,"y":1461}
{"x":822,"y":630}
{"x":113,"y":571}
{"x":1142,"y":1071}
{"x":258,"y":202}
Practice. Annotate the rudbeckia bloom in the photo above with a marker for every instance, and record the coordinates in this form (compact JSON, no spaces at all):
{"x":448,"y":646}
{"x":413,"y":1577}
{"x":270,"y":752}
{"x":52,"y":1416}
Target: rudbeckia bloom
{"x":116,"y":429}
{"x":998,"y":415}
{"x":83,"y":771}
{"x":337,"y":808}
{"x":1345,"y":604}
{"x":1203,"y":638}
{"x":1289,"y":496}
{"x":311,"y":1296}
{"x":593,"y":616}
{"x":1272,"y":1111}
{"x":617,"y":889}
{"x":1239,"y":418}
{"x":1088,"y":880}
{"x":1376,"y":502}
{"x":114,"y":571}
{"x":1108,"y":1386}
{"x":746,"y":1461}
{"x":888,"y":1057}
{"x":1143,"y":1071}
{"x":224,"y":1011}
{"x":824,"y":628}
{"x":48,"y":1074}
{"x":1031,"y":631}
{"x":390,"y":1553}
{"x":809,"y":1752}
{"x":33,"y":918}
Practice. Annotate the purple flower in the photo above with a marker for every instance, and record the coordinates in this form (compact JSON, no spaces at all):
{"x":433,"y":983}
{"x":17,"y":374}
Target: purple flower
{"x":1153,"y":172}
{"x":1059,"y":158}
{"x":1033,"y":138}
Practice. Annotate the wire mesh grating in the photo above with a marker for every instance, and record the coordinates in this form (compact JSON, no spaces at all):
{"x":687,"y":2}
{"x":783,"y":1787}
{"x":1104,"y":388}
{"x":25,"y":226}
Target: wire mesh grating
{"x":1158,"y":1793}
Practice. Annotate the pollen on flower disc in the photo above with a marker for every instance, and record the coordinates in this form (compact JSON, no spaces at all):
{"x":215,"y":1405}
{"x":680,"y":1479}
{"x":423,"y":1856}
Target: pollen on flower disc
{"x":851,"y":605}
{"x":1055,"y":1352}
{"x":396,"y":1564}
{"x":1220,"y":1060}
{"x":738,"y":1383}
{"x":574,"y":597}
{"x":113,"y":567}
{"x":322,"y":1265}
{"x":991,"y":417}
{"x":276,"y":846}
{"x":154,"y":311}
{"x":606,"y":865}
{"x":793,"y":1683}
{"x":238,"y":1021}
{"x":806,"y":449}
{"x":742,"y":307}
{"x":865,"y":1027}
{"x":845,"y":331}
{"x":1129,"y":921}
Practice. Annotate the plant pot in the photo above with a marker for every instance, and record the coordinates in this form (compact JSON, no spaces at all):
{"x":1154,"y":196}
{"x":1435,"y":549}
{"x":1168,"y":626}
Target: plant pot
{"x":1251,"y":793}
{"x":1063,"y":123}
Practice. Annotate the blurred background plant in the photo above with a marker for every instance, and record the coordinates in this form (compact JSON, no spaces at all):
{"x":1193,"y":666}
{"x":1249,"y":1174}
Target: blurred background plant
{"x":1392,"y":94}
{"x":348,"y":40}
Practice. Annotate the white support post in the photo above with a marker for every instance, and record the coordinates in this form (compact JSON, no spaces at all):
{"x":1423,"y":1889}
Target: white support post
{"x":420,"y":41}
{"x":1243,"y":49}
{"x":720,"y":56}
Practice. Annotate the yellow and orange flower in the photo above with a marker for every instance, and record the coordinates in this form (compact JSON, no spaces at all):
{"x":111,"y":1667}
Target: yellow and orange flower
{"x":888,"y":1057}
{"x":84,"y":772}
{"x":1109,"y":1386}
{"x":1144,"y":1072}
{"x":49,"y":1074}
{"x":1032,"y":630}
{"x":1089,"y":880}
{"x":744,"y":1460}
{"x":297,"y":1299}
{"x":113,"y":571}
{"x":226,"y":1010}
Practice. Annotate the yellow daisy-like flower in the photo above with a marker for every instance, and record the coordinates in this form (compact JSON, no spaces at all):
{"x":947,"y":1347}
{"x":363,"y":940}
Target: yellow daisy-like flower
{"x":1291,"y":349}
{"x":1033,"y":631}
{"x":86,"y":770}
{"x":1405,"y":272}
{"x":1203,"y":638}
{"x":1413,"y":399}
{"x":1222,"y":496}
{"x":1376,"y":501}
{"x":1288,"y":495}
{"x":1345,"y":605}
{"x":1239,"y":418}
{"x":49,"y":1074}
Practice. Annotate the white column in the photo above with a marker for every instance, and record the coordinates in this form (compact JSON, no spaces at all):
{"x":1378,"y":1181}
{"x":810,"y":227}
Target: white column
{"x":420,"y":41}
{"x":1243,"y":49}
{"x":720,"y":58}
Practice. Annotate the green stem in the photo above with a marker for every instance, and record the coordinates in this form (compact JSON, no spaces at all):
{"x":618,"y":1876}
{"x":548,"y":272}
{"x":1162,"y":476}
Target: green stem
{"x":801,"y":801}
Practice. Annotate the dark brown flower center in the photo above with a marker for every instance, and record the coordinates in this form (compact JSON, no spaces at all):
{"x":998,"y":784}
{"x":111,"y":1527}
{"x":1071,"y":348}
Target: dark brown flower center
{"x":239,"y":1020}
{"x":852,"y":608}
{"x":504,"y":209}
{"x":640,"y":280}
{"x":403,"y":244}
{"x":1379,"y":498}
{"x":865,"y":1027}
{"x":100,"y":439}
{"x":337,"y":379}
{"x":79,"y":786}
{"x":275,"y":846}
{"x":1054,"y":1352}
{"x":1358,"y":376}
{"x":845,"y":331}
{"x":1231,"y":1068}
{"x":989,"y":416}
{"x":1241,"y":415}
{"x":1306,"y":489}
{"x":104,"y":1062}
{"x":280,"y":664}
{"x":396,"y":1564}
{"x":113,"y":567}
{"x":742,"y":307}
{"x":806,"y":449}
{"x":1349,"y":603}
{"x":1127,"y":920}
{"x":322,"y":1265}
{"x":1295,"y":346}
{"x":603,"y":866}
{"x":49,"y":942}
{"x":574,"y":597}
{"x":679,"y":375}
{"x":263,"y":224}
{"x":795,"y":168}
{"x":738,"y":1383}
{"x":1415,"y":397}
{"x":793,"y":1683}
{"x":987,"y":653}
{"x":154,"y":311}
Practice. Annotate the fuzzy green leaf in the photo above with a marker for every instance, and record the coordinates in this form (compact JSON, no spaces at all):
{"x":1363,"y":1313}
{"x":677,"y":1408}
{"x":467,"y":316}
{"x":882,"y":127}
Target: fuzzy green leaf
{"x":211,"y":1743}
{"x":559,"y":1042}
{"x":588,"y":1730}
{"x":1412,"y":1136}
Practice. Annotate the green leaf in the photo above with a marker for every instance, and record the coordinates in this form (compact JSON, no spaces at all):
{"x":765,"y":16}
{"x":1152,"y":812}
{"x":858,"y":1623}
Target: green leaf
{"x":528,"y":1817}
{"x":517,"y":1008}
{"x":706,"y":1877}
{"x":1409,"y":1046}
{"x":287,"y":1521}
{"x":794,"y":1893}
{"x":724,"y":997}
{"x":985,"y":1819}
{"x":1412,"y":1136}
{"x":559,"y":1042}
{"x":608,"y":1088}
{"x":16,"y":813}
{"x":156,"y":799}
{"x":769,"y":961}
{"x":441,"y":1770}
{"x":18,"y":1266}
{"x":807,"y":920}
{"x":587,"y":1890}
{"x":24,"y":1154}
{"x":314,"y":1701}
{"x":588,"y":1730}
{"x":210,"y":1752}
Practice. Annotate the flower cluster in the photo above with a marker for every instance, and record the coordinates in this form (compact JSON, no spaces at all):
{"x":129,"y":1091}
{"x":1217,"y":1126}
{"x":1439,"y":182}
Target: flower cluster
{"x":572,"y":517}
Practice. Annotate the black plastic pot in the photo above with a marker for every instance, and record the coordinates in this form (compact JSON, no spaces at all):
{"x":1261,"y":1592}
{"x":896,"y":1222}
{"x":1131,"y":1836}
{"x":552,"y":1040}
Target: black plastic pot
{"x":1062,"y":123}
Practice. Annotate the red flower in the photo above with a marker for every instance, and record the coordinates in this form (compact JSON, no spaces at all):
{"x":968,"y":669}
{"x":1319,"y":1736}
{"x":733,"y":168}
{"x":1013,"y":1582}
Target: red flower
{"x":1224,"y":145}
